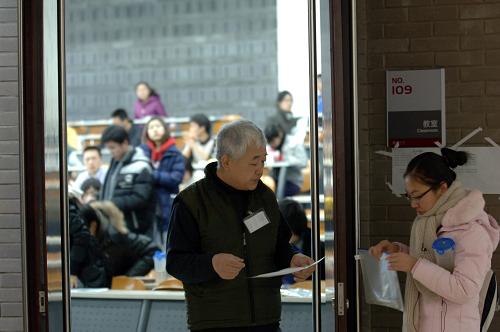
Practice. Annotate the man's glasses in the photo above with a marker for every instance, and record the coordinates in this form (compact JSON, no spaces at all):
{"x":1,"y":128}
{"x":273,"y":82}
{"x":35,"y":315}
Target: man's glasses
{"x":416,"y":199}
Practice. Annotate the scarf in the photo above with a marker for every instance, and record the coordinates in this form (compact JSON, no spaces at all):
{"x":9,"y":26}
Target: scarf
{"x":157,"y":154}
{"x":423,"y":234}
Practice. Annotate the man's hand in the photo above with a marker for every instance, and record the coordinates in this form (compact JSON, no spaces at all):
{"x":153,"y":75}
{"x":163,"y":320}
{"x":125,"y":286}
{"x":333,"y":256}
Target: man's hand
{"x":189,"y":138}
{"x":227,"y":266}
{"x":299,"y":260}
{"x":401,"y":262}
{"x":383,"y":246}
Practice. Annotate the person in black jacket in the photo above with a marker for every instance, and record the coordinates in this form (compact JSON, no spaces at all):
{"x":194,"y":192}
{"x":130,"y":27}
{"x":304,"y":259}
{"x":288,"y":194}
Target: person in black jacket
{"x":88,"y":264}
{"x":129,"y":182}
{"x":301,"y":237}
{"x":283,"y":117}
{"x":120,"y":117}
{"x":127,"y":253}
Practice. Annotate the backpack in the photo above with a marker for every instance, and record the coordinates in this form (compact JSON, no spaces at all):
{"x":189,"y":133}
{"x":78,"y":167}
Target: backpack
{"x":488,"y":300}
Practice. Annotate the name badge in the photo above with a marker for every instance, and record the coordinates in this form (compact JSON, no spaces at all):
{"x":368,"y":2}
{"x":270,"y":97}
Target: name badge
{"x":256,"y":221}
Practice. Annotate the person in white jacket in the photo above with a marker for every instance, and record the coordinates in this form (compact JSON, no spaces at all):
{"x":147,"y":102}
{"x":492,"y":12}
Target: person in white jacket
{"x":290,"y":150}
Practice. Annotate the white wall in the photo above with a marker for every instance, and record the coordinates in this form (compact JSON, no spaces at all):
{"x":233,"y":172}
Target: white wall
{"x":293,"y":51}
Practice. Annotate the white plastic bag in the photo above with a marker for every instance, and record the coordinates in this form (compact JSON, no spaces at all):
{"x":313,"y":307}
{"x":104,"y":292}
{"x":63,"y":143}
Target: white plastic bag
{"x":381,"y":285}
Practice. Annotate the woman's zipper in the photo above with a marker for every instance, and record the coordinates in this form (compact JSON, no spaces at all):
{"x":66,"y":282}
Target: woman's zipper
{"x":444,"y":309}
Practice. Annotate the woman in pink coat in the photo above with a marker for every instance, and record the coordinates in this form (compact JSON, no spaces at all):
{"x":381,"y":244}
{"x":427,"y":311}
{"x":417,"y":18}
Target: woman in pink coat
{"x":148,"y":102}
{"x":451,"y":245}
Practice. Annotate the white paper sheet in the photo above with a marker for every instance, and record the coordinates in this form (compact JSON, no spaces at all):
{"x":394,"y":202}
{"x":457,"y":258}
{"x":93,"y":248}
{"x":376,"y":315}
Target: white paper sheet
{"x":286,"y":271}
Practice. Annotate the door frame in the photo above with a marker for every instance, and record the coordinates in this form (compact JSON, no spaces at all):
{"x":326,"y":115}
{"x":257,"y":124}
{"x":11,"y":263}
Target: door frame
{"x":33,"y":172}
{"x":34,"y":142}
{"x":344,"y":163}
{"x":32,"y":163}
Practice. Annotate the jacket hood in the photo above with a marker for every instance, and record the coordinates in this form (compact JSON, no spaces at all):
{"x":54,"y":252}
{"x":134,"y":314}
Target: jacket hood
{"x":139,"y":155}
{"x":146,"y":150}
{"x":110,"y":215}
{"x":135,"y":155}
{"x":471,"y":208}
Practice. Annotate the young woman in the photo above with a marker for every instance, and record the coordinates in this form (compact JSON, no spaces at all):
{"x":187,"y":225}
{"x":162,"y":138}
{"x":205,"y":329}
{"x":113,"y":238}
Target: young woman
{"x":283,"y":116}
{"x":148,"y":102}
{"x":451,"y":245}
{"x":168,"y":165}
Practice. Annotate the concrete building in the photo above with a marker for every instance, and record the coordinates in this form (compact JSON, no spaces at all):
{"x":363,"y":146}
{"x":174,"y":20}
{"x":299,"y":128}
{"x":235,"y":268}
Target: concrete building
{"x":216,"y":57}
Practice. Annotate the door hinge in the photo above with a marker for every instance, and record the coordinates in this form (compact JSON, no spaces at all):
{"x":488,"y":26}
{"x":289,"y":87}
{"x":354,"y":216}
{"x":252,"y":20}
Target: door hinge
{"x":41,"y":302}
{"x":340,"y":299}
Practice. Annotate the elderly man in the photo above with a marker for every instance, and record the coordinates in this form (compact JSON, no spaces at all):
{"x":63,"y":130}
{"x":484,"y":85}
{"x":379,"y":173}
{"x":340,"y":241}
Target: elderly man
{"x":226,"y":228}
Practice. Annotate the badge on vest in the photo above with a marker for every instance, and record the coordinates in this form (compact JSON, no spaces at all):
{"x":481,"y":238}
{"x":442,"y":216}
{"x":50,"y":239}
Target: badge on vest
{"x":256,"y":221}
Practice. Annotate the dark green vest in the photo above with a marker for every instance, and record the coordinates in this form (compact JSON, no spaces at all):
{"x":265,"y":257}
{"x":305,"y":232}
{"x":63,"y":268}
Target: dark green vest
{"x":241,"y":301}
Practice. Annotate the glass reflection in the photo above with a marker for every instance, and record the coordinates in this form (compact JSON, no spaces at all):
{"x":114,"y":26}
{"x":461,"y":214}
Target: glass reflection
{"x":53,"y":175}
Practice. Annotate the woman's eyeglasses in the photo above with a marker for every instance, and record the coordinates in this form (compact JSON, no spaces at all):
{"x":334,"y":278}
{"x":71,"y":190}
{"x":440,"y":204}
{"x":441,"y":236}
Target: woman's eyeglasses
{"x":416,"y":199}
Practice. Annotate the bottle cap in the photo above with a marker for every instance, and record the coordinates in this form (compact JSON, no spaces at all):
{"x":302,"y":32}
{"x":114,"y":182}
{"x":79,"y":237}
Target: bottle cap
{"x":159,"y":255}
{"x":443,"y":244}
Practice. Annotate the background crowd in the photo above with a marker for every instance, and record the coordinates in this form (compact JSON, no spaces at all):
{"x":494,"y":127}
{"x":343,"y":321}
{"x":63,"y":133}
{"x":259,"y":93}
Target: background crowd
{"x":120,"y":208}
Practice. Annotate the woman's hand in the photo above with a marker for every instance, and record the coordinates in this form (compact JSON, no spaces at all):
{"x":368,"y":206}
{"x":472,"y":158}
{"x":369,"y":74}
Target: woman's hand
{"x":401,"y":262}
{"x":383,"y":246}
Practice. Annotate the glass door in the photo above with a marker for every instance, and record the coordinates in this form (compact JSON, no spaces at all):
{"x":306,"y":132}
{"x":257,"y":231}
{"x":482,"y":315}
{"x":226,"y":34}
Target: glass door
{"x":207,"y":63}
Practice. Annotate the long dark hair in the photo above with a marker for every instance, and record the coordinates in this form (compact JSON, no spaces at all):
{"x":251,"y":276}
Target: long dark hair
{"x":432,"y":169}
{"x":282,"y":96}
{"x":166,"y":136}
{"x":152,"y":92}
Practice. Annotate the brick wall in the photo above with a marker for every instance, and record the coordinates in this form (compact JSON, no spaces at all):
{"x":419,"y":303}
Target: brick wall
{"x":462,"y":36}
{"x":10,"y":226}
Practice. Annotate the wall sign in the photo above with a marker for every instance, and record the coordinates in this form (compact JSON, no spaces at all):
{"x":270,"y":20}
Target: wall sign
{"x":415,"y":108}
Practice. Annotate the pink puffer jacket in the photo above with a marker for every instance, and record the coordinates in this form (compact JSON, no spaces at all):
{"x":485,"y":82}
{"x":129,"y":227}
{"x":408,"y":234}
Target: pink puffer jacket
{"x":476,"y":236}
